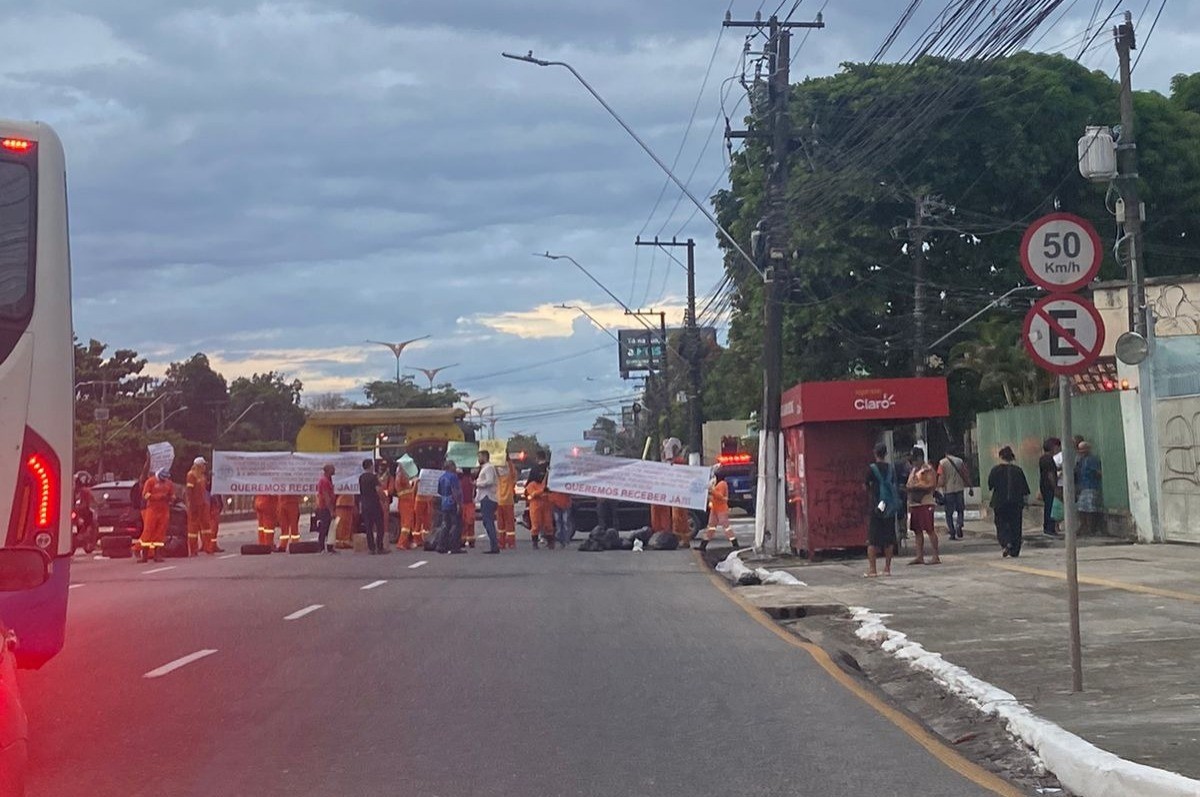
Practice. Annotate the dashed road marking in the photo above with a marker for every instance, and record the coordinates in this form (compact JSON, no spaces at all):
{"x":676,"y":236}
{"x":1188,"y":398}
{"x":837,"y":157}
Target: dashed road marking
{"x":73,"y":586}
{"x":158,"y":570}
{"x":415,"y":565}
{"x":181,"y":662}
{"x":228,"y":556}
{"x":296,"y":615}
{"x":373,"y":585}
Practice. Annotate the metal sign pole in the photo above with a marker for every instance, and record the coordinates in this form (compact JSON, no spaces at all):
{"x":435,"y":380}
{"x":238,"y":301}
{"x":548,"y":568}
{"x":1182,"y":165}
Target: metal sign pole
{"x":1070,"y":523}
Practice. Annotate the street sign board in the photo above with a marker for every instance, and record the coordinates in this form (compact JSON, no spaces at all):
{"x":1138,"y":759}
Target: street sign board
{"x":101,"y":414}
{"x":1063,"y":333}
{"x":640,"y":350}
{"x":593,"y":434}
{"x":1061,"y":252}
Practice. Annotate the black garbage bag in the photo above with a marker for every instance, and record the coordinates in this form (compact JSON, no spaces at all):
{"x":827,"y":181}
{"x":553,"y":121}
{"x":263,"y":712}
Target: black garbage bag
{"x":663,"y":541}
{"x":642,"y":534}
{"x":749,"y":580}
{"x":589,"y":545}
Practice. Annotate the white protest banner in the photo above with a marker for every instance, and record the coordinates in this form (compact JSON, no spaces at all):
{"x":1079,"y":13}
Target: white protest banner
{"x":427,"y":481}
{"x":162,"y":455}
{"x":634,"y":480}
{"x":282,"y":472}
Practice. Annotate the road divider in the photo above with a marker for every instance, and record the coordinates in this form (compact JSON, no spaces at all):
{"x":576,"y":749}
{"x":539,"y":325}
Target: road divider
{"x":296,"y":615}
{"x":172,"y":666}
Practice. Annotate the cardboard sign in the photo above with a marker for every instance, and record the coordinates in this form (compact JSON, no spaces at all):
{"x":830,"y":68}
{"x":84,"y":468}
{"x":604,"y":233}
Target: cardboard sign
{"x":162,"y":455}
{"x":464,"y":455}
{"x":427,"y":482}
{"x":282,"y":472}
{"x":635,"y":480}
{"x":408,"y":465}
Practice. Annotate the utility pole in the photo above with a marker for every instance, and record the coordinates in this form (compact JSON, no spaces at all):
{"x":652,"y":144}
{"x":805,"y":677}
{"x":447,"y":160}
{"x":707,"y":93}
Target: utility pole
{"x":776,"y":271}
{"x":1127,"y":178}
{"x":691,"y":349}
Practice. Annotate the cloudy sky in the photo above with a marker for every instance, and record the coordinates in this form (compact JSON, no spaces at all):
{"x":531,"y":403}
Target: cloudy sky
{"x":275,"y":183}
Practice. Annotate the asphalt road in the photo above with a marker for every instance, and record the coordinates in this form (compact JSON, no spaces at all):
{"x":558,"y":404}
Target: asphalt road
{"x":528,"y":673}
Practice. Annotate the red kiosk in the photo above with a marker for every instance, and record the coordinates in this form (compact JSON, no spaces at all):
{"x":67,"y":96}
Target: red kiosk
{"x":830,"y":429}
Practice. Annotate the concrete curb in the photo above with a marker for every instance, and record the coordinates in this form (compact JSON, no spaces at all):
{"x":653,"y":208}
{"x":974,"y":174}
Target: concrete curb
{"x":1078,"y":764}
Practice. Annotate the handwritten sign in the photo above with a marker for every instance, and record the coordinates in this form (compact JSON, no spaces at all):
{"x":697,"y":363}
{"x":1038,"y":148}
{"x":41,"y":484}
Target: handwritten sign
{"x":162,"y":455}
{"x":282,"y":472}
{"x":464,"y":455}
{"x":427,"y":481}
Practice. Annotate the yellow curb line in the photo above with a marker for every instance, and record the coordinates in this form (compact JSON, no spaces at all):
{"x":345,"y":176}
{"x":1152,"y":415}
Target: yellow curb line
{"x":934,"y":744}
{"x":1101,"y":582}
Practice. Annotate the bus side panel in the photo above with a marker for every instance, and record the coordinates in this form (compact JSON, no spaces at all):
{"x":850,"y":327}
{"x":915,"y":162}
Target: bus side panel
{"x":39,"y":616}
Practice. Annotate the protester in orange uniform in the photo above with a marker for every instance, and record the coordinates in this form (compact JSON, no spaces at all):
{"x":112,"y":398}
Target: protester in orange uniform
{"x":216,"y":505}
{"x":660,"y":517}
{"x":406,"y":504}
{"x":422,"y":518}
{"x":541,"y":514}
{"x":681,"y":525}
{"x":156,"y":498}
{"x":289,"y":521}
{"x":718,"y":513}
{"x":506,"y":520}
{"x":346,"y":510}
{"x":467,"y":481}
{"x":199,"y":527}
{"x":266,"y":507}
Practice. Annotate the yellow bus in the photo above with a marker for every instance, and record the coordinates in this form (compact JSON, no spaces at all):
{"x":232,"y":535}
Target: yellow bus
{"x":387,"y":433}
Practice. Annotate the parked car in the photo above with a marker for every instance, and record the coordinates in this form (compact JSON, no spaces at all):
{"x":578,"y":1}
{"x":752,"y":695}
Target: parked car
{"x":113,"y":501}
{"x":519,"y":487}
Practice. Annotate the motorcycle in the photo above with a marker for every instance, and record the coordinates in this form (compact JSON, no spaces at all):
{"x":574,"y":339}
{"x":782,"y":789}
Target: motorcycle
{"x":84,"y":532}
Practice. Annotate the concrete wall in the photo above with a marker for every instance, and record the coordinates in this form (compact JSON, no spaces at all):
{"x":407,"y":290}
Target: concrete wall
{"x":1096,"y":416}
{"x":1178,"y":424}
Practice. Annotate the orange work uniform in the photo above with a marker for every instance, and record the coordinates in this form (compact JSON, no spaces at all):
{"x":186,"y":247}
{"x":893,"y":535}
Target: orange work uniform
{"x":266,"y":507}
{"x":506,"y":520}
{"x":660,"y":518}
{"x":541,"y":514}
{"x":215,"y":507}
{"x":347,"y":520}
{"x":199,"y":523}
{"x":718,"y":512}
{"x":422,"y":519}
{"x":289,"y":520}
{"x":681,"y":525}
{"x":156,"y":498}
{"x":406,"y":505}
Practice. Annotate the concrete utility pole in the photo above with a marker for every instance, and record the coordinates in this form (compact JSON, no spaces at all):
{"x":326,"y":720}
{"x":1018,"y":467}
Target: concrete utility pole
{"x":691,"y":350}
{"x":1070,"y":524}
{"x":776,"y":271}
{"x":1127,"y":178}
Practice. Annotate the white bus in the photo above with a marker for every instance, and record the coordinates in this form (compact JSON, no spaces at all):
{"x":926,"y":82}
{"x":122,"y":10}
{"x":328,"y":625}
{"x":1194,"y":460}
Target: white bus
{"x":36,"y":380}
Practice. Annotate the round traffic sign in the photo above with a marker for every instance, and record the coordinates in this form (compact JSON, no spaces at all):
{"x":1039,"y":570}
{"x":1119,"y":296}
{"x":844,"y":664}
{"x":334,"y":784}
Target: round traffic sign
{"x":1061,"y":252}
{"x":1063,"y":333}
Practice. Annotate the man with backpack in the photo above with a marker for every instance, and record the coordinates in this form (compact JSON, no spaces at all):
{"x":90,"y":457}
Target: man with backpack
{"x":884,"y":495}
{"x":953,"y":479}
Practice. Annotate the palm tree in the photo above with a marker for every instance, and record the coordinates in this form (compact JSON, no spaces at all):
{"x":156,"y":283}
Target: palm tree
{"x":997,"y":356}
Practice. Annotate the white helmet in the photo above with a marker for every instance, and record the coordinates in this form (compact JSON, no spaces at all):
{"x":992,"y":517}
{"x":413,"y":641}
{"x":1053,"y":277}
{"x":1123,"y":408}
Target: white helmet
{"x":199,"y":461}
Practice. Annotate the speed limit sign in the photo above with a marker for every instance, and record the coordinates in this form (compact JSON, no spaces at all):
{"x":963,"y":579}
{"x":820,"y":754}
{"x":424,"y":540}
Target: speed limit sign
{"x":1061,"y":252}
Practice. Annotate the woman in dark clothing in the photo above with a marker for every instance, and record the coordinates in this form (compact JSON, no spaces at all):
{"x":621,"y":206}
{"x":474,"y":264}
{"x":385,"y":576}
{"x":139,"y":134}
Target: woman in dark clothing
{"x":1009,"y":489}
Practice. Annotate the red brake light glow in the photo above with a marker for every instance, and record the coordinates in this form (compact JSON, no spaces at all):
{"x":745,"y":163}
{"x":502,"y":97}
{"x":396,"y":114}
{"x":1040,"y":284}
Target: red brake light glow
{"x":16,"y":144}
{"x":43,"y":491}
{"x":734,"y":459}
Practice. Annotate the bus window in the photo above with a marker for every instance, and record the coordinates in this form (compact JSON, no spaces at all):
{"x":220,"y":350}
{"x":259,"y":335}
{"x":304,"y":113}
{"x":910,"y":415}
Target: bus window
{"x":16,"y":240}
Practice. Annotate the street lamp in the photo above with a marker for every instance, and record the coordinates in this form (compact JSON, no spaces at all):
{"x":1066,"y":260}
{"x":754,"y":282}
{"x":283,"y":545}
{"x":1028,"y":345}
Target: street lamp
{"x":431,"y":373}
{"x":592,"y":318}
{"x":397,"y":349}
{"x":529,"y":59}
{"x":169,"y":416}
{"x":238,"y":419}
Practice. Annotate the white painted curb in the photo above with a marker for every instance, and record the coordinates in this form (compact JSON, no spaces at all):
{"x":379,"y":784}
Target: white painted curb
{"x":1079,"y":765}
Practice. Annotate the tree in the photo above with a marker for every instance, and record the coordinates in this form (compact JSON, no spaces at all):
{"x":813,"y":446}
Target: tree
{"x":996,"y":142}
{"x":997,"y":357}
{"x":271,"y":405}
{"x":203,"y":391}
{"x":327,"y":401}
{"x":1185,"y":92}
{"x":524,"y":444}
{"x":406,"y":393}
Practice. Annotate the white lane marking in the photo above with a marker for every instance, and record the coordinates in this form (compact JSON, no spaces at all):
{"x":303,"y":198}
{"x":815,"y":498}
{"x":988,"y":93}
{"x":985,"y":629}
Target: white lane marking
{"x":373,"y":585}
{"x":158,"y":570}
{"x":296,"y":615}
{"x":228,"y":556}
{"x":175,"y":665}
{"x":73,"y":586}
{"x":415,"y":565}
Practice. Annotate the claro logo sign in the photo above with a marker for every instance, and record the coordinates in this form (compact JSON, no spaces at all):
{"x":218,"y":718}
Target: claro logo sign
{"x":868,"y":400}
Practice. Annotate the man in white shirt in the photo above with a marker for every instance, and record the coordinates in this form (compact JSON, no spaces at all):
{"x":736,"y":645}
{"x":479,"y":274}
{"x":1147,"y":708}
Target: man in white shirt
{"x":485,"y":489}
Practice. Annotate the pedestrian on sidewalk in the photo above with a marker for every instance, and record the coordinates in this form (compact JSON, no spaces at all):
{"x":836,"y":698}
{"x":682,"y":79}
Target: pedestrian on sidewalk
{"x":1009,"y":489}
{"x":370,"y":506}
{"x":883,"y":492}
{"x":326,"y":499}
{"x":486,"y":487}
{"x":449,"y":531}
{"x":1087,"y":483}
{"x":922,"y":481}
{"x":953,"y":480}
{"x":1048,"y":483}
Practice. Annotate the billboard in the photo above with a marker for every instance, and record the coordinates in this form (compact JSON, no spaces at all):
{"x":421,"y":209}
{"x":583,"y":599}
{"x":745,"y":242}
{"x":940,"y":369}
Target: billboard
{"x":640,"y":350}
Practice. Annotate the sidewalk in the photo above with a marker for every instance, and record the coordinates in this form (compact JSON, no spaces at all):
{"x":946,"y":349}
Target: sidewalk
{"x":1005,"y":621}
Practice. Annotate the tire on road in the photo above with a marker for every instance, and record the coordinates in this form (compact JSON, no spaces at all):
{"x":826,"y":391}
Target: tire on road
{"x":116,"y":546}
{"x":254,"y":549}
{"x":304,"y":546}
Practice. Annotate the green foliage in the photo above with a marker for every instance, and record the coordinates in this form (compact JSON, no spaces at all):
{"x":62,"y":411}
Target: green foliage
{"x":524,"y":443}
{"x":203,"y":391}
{"x":406,"y":393}
{"x":271,"y":405}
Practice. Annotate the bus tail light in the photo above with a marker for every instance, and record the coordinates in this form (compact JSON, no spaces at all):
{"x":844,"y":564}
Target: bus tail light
{"x":16,"y":144}
{"x":38,"y":495}
{"x":735,"y":459}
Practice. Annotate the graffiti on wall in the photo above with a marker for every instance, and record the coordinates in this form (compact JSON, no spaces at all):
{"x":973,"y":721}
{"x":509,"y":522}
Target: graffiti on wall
{"x":1180,"y":446}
